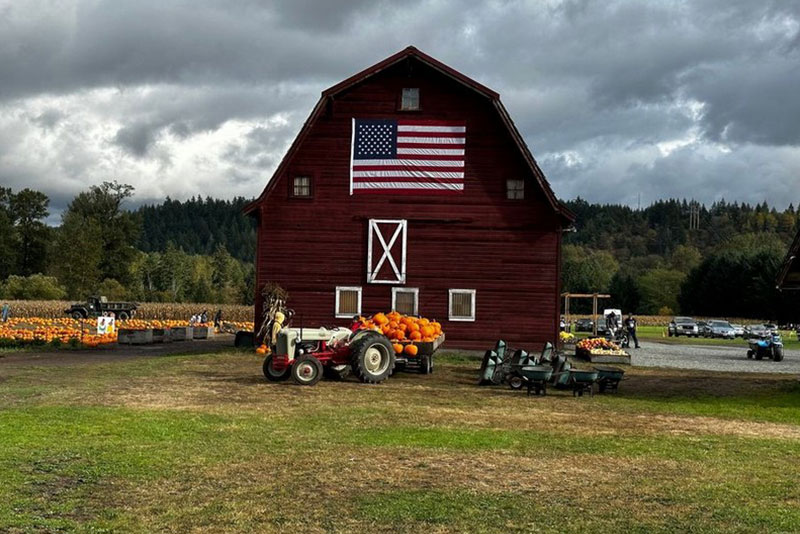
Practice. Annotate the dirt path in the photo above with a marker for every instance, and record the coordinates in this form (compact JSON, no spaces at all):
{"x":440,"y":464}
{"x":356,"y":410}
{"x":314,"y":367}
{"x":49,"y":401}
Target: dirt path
{"x":113,"y":353}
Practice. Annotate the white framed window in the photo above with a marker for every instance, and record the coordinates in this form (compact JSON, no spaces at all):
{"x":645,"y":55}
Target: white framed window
{"x":515,"y":189}
{"x":462,"y":304}
{"x":301,"y":187}
{"x":410,"y":99}
{"x":348,"y":302}
{"x":405,"y":300}
{"x":383,"y":265}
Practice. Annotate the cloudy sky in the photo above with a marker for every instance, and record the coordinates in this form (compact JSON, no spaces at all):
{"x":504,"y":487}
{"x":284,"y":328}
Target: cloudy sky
{"x":616,"y":99}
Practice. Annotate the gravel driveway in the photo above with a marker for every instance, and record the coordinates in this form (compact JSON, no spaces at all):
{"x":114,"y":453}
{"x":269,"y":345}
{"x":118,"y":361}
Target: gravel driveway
{"x":710,"y":358}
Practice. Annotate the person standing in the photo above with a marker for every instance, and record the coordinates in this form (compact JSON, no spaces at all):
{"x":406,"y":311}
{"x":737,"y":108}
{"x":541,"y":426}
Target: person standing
{"x":630,"y":325}
{"x":6,"y":311}
{"x":218,"y":318}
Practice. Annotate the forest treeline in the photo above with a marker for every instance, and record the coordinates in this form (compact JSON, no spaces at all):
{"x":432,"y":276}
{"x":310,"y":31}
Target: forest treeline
{"x":174,"y":251}
{"x":653,"y":261}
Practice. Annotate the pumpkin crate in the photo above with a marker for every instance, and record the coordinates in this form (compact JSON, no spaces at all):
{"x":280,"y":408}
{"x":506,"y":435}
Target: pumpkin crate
{"x":422,"y":360}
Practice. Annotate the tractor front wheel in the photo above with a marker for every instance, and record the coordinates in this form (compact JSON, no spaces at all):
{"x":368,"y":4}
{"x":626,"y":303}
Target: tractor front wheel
{"x":372,"y":358}
{"x":306,"y":370}
{"x":272,"y":374}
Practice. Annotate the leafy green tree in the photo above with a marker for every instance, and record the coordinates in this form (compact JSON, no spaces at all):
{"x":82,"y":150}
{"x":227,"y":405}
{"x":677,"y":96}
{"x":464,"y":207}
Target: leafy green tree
{"x":28,"y":210}
{"x":112,"y":289}
{"x":8,"y":250}
{"x":685,"y":258}
{"x":33,"y":287}
{"x":625,"y":293}
{"x":660,"y":288}
{"x":174,"y":273}
{"x":119,"y":229}
{"x":78,"y":252}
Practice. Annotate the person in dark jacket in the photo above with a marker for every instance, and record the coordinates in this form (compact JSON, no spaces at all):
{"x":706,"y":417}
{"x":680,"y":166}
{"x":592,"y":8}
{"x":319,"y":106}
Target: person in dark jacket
{"x":630,"y":326}
{"x":218,"y":318}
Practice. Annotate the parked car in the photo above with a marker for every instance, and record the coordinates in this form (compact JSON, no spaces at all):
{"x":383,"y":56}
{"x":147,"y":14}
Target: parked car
{"x":682,"y":326}
{"x":755,"y":330}
{"x":723,"y":329}
{"x":584,"y":325}
{"x":703,"y":328}
{"x":738,"y":330}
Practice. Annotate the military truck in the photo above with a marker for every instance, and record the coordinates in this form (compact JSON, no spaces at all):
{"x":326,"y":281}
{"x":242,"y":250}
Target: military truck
{"x":97,"y":306}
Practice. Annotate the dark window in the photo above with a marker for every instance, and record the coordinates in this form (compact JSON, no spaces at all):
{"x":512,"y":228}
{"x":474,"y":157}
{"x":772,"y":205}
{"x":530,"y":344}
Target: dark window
{"x":405,"y":300}
{"x":410,"y":99}
{"x":515,"y":189}
{"x":301,"y":187}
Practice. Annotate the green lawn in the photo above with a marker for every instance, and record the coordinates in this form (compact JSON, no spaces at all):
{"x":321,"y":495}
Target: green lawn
{"x":202,"y":443}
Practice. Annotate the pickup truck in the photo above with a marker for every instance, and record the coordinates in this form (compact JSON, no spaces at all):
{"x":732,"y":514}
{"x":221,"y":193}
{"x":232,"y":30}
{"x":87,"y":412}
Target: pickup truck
{"x":97,"y":306}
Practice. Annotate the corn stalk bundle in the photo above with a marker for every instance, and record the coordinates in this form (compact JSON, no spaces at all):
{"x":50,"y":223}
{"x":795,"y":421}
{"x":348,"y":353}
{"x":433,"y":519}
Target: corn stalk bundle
{"x":274,"y":301}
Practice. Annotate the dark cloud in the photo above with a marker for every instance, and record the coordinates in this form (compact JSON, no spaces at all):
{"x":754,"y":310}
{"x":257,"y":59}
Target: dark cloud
{"x":616,"y":98}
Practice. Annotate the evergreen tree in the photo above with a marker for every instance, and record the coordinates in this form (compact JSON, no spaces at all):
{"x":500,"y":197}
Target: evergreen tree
{"x":28,"y":211}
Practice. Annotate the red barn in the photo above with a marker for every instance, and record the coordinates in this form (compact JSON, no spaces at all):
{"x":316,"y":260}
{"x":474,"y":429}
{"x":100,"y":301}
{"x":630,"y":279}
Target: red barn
{"x":410,"y":188}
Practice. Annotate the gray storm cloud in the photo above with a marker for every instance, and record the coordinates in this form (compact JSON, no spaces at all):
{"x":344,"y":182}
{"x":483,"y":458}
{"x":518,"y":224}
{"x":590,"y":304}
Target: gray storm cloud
{"x":616,"y":99}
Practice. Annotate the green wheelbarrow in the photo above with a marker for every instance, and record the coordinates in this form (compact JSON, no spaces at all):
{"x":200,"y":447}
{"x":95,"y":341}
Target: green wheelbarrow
{"x":534,"y":377}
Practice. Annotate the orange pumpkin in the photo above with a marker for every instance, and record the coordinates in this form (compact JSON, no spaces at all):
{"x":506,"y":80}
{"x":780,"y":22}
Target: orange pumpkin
{"x":398,"y":348}
{"x":411,"y":350}
{"x":415,"y":336}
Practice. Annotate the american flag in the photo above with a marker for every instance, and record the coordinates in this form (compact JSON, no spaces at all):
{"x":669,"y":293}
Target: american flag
{"x":407,"y":156}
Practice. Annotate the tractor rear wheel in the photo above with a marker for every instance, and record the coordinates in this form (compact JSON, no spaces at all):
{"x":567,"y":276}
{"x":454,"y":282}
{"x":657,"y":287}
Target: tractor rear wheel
{"x":306,"y":370}
{"x":272,"y":374}
{"x":336,"y":372}
{"x":372,"y":358}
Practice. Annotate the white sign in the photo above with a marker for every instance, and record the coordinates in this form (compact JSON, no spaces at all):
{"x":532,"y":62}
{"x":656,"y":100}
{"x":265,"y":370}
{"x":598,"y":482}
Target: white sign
{"x":105,"y":325}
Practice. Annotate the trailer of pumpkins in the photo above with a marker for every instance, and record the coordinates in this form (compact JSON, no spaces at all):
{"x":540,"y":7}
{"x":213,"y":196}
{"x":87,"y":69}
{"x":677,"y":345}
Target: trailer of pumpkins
{"x":601,"y":350}
{"x":414,"y":339}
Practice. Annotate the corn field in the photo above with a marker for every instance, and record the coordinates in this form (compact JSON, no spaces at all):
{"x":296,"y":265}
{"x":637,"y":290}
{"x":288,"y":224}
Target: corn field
{"x":146,"y":311}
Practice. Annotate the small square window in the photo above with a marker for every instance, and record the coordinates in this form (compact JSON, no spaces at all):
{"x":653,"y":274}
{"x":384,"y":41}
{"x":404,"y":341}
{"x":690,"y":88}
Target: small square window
{"x":410,"y":100}
{"x":405,"y":300}
{"x":348,"y":302}
{"x":462,"y":305}
{"x":301,"y":187}
{"x":515,"y":189}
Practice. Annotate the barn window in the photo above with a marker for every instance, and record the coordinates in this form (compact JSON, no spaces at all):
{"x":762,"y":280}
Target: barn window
{"x":301,"y":187}
{"x":515,"y":189}
{"x":410,"y":99}
{"x":462,"y":304}
{"x":405,"y":300}
{"x":348,"y":302}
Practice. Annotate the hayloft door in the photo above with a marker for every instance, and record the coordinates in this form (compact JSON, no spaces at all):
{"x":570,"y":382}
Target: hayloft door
{"x":386,"y":251}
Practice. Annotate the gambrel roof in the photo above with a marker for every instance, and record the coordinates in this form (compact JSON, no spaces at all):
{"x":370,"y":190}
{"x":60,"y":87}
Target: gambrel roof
{"x":412,"y":52}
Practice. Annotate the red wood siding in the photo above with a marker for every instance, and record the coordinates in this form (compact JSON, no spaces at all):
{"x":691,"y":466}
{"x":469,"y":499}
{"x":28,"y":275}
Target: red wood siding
{"x":507,"y":250}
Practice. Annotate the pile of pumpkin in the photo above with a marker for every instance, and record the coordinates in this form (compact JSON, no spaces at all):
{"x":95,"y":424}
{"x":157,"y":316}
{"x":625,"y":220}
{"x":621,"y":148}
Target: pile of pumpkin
{"x":403,"y":330}
{"x":32,"y":330}
{"x":599,"y":345}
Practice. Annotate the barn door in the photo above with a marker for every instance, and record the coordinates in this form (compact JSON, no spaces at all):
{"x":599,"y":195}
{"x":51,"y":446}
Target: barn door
{"x":386,"y":251}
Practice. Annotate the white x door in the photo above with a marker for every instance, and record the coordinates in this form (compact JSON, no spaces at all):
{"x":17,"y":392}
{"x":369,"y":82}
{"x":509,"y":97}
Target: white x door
{"x":386,"y":251}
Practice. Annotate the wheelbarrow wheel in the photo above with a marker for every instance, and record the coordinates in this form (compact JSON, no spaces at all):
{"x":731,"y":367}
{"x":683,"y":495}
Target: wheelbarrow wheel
{"x":515,"y":382}
{"x":272,"y":374}
{"x":306,"y":370}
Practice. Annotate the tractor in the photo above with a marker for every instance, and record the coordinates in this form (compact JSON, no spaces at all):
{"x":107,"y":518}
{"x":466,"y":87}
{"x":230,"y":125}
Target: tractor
{"x":306,"y":354}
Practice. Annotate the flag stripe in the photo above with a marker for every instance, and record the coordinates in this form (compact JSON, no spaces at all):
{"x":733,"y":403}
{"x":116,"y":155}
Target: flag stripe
{"x":439,"y":152}
{"x":437,"y":129}
{"x":403,"y":140}
{"x":406,"y":173}
{"x":403,"y":163}
{"x":408,"y":185}
{"x":404,"y":179}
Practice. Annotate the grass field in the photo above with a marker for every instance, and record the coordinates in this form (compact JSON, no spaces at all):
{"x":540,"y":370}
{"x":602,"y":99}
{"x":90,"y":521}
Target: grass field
{"x":202,"y":443}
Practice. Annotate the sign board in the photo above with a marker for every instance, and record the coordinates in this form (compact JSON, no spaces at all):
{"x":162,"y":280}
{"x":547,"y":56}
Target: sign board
{"x":105,"y":325}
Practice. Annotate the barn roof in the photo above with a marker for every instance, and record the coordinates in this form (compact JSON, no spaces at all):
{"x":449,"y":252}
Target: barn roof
{"x":789,"y":275}
{"x":437,"y":65}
